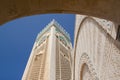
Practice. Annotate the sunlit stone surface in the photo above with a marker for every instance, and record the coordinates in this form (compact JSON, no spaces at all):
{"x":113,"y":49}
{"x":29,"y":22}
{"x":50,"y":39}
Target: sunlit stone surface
{"x":96,"y":45}
{"x":50,"y":58}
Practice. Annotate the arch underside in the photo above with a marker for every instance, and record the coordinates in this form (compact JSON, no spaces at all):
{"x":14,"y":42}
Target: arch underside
{"x":97,"y":49}
{"x":12,"y":9}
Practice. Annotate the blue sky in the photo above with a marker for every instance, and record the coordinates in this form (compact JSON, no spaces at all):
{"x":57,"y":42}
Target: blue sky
{"x":17,"y":38}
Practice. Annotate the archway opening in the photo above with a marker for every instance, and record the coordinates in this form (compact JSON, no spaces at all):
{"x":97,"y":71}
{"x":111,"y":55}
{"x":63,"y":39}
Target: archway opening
{"x":85,"y":73}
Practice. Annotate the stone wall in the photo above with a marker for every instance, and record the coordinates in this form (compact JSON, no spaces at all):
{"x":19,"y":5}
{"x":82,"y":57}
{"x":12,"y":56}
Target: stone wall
{"x":97,"y":48}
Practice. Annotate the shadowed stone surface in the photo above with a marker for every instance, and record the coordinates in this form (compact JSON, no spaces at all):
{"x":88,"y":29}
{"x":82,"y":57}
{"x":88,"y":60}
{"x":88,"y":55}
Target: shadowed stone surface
{"x":12,"y":9}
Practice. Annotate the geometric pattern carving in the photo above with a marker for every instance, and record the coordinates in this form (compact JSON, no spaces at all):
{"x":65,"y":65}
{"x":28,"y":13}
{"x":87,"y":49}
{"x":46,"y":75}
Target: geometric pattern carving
{"x":57,"y":61}
{"x":37,"y":66}
{"x":111,"y":61}
{"x":63,"y":67}
{"x":102,"y":57}
{"x":85,"y":61}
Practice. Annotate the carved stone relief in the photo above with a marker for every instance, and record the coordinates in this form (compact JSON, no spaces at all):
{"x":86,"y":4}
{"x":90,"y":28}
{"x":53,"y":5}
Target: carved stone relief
{"x":101,"y":61}
{"x":87,"y":71}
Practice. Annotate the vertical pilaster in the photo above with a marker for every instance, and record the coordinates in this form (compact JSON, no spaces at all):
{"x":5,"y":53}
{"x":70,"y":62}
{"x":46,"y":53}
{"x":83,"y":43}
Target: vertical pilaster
{"x":52,"y":54}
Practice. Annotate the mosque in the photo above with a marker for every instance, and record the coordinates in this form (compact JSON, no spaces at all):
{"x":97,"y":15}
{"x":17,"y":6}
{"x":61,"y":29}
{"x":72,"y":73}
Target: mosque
{"x":96,"y":51}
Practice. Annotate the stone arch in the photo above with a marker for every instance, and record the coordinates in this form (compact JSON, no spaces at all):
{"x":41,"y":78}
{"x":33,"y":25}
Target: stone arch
{"x":12,"y":9}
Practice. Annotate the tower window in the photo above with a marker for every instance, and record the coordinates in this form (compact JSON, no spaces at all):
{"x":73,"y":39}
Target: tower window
{"x":118,"y":33}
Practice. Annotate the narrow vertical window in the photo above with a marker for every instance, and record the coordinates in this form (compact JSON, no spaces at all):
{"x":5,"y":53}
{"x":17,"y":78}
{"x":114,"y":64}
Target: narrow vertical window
{"x":118,"y":33}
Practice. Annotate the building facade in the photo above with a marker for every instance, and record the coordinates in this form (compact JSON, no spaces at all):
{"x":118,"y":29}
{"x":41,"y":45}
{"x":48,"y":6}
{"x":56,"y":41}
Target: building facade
{"x":96,"y":49}
{"x":50,"y":58}
{"x":95,"y":56}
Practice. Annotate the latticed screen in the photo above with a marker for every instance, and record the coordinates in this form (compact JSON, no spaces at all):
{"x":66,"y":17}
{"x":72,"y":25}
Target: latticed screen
{"x":34,"y":73}
{"x":37,"y":67}
{"x":57,"y":61}
{"x":65,"y":63}
{"x":63,"y":67}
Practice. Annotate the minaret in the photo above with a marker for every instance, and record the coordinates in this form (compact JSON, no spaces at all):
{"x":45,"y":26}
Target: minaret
{"x":50,"y":58}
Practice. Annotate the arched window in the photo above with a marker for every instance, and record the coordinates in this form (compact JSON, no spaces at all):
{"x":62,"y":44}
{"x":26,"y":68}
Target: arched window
{"x":85,"y":73}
